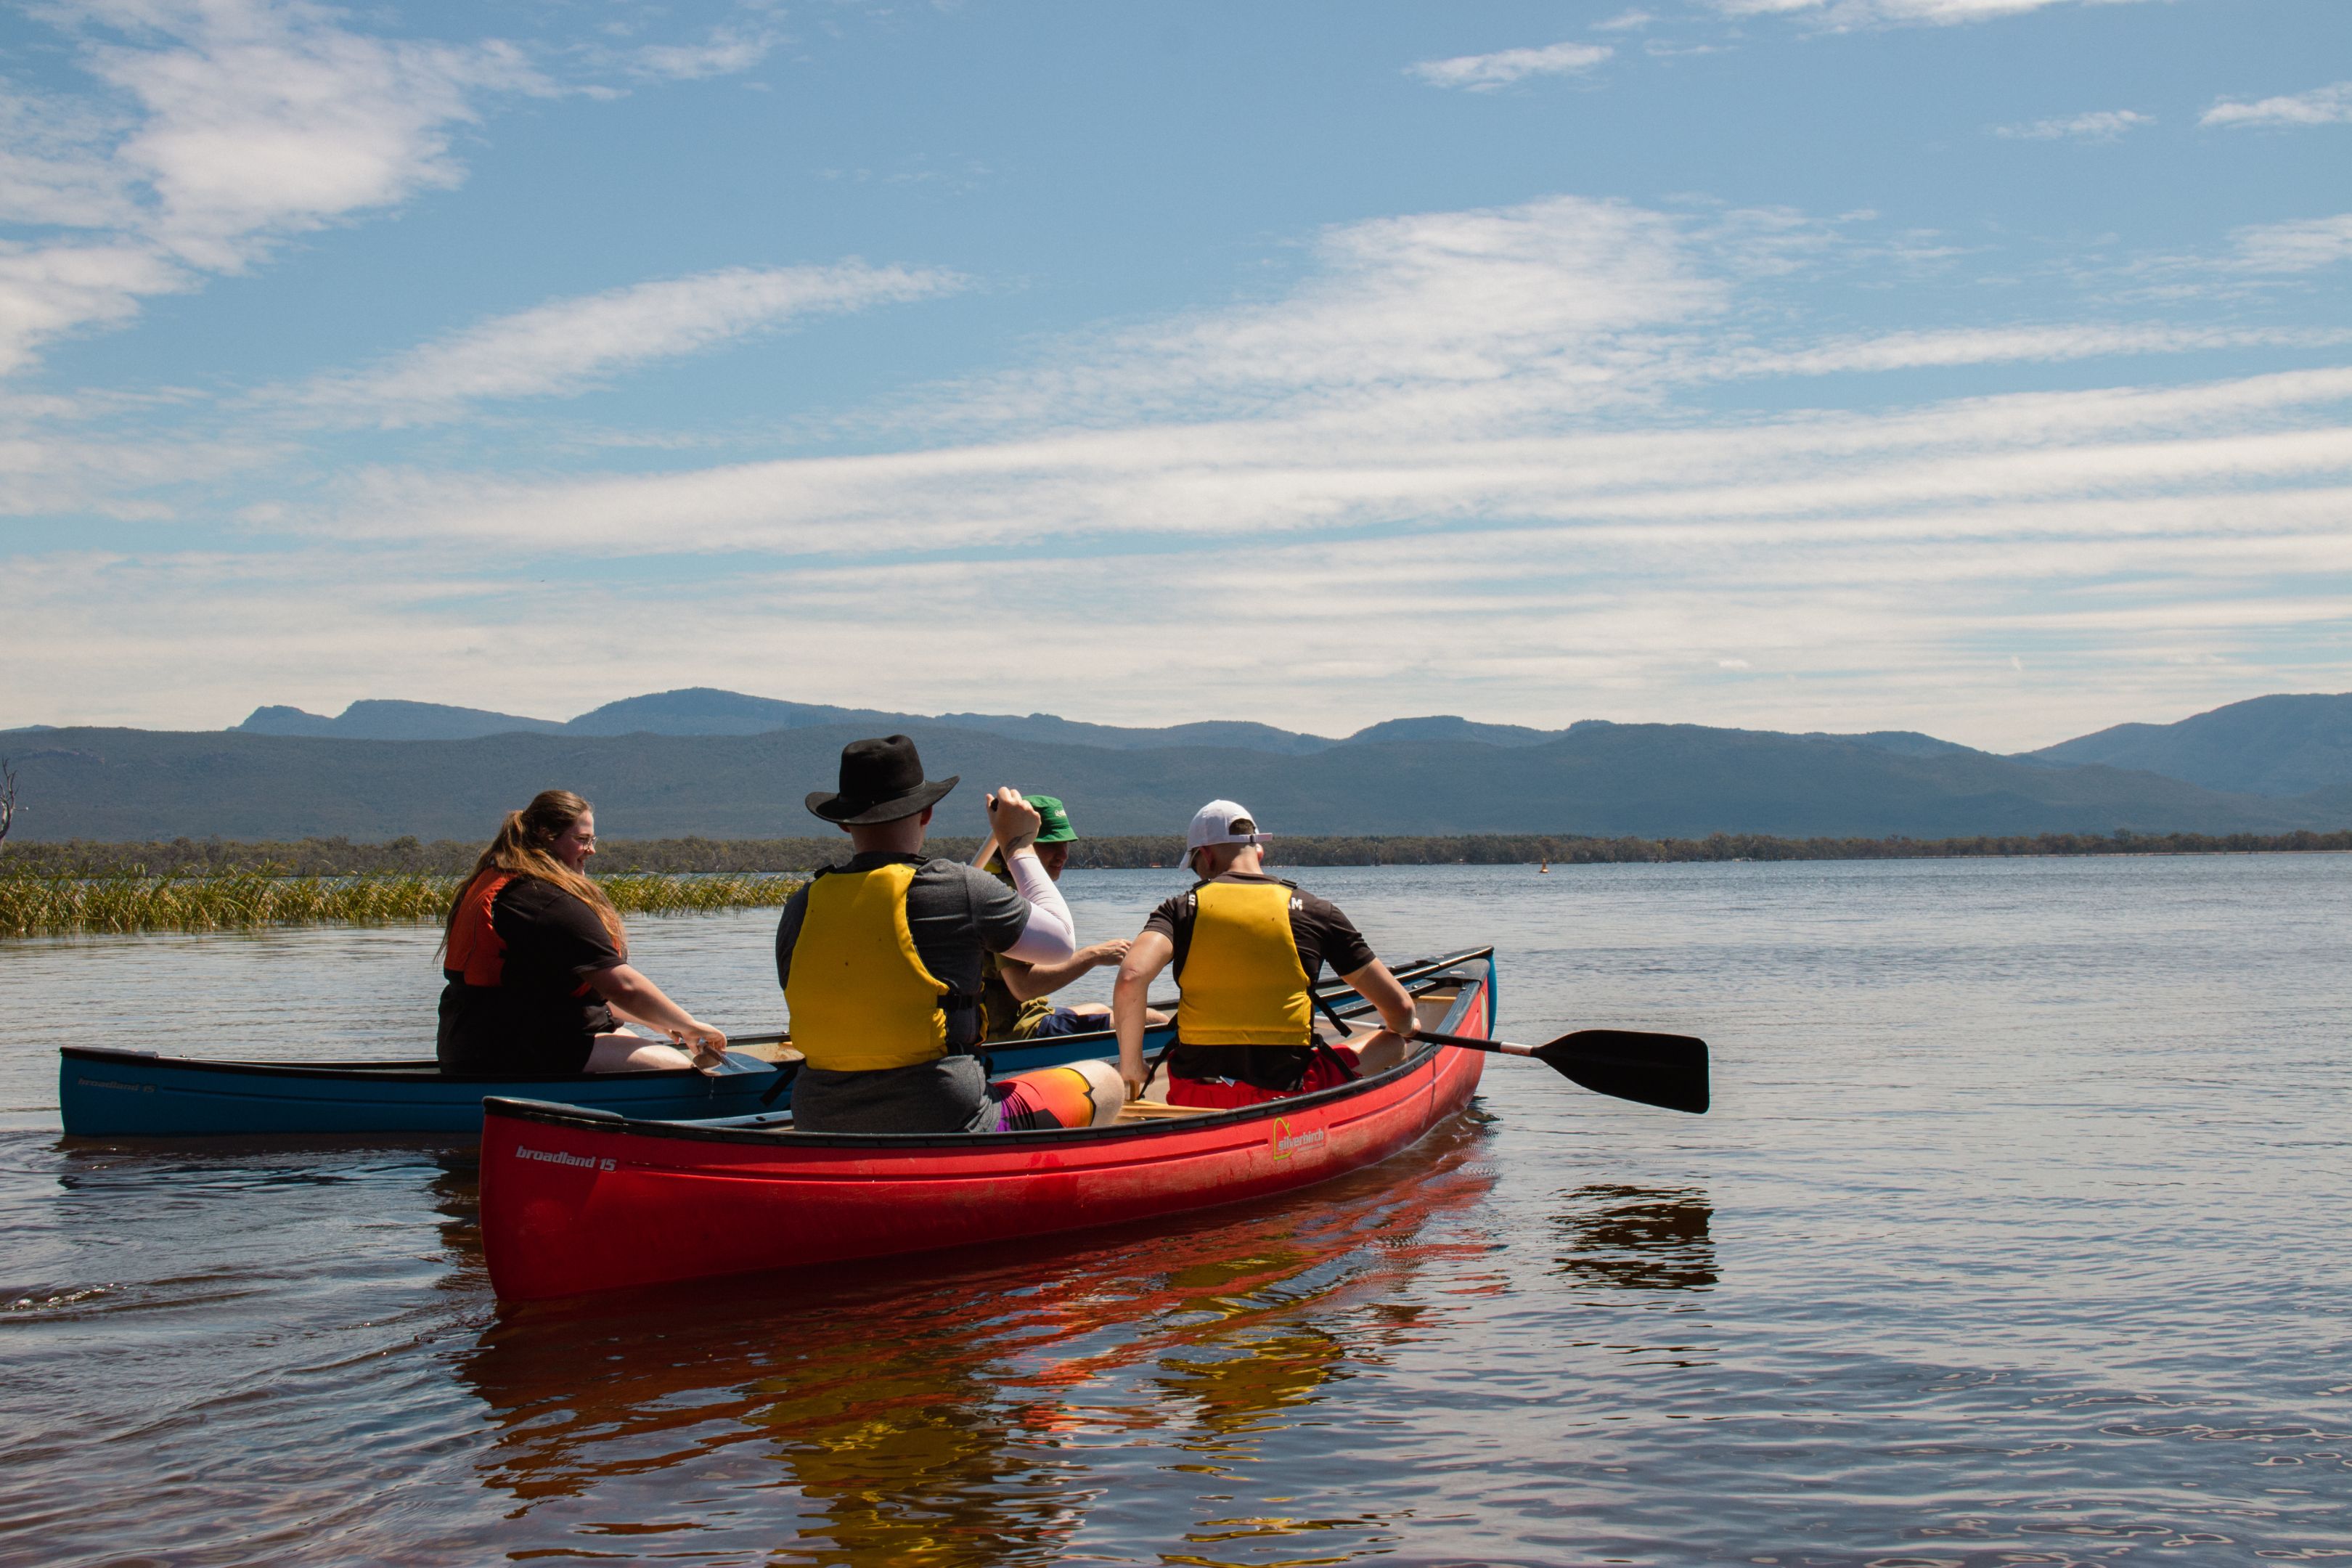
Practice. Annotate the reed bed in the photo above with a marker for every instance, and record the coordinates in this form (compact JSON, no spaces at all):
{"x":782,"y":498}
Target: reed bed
{"x":42,"y":904}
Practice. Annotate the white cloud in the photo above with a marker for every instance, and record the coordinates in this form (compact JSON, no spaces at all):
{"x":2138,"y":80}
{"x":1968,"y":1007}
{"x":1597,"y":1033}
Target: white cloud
{"x":2321,"y":106}
{"x":1484,"y":73}
{"x":54,"y":172}
{"x":1847,"y":14}
{"x":1259,"y":479}
{"x":261,"y":120}
{"x":1626,"y":21}
{"x":1550,"y":293}
{"x":245,"y":121}
{"x":566,"y":346}
{"x":2100,"y":125}
{"x":1459,"y":417}
{"x":2011,"y":345}
{"x":2300,"y":247}
{"x":47,"y":290}
{"x":725,"y":52}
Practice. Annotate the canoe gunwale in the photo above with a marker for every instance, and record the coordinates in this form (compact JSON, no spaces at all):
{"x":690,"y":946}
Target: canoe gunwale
{"x":407,"y":1070}
{"x":553,"y":1114}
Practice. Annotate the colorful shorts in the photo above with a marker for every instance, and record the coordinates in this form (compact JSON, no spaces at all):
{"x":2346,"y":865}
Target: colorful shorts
{"x":1045,"y":1097}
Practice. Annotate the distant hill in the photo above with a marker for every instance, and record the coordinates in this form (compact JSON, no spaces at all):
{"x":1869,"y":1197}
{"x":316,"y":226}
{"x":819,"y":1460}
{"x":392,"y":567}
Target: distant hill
{"x":1653,"y":780}
{"x":706,"y":710}
{"x":1906,"y":743}
{"x":1235,"y":733}
{"x":1446,"y":727}
{"x":2268,"y":746}
{"x":393,"y":720}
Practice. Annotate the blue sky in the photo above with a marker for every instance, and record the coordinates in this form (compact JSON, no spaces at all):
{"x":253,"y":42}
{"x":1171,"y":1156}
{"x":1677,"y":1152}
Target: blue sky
{"x":1975,"y":367}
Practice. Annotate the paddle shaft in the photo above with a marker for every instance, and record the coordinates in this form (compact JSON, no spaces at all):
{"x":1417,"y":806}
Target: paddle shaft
{"x":1512,"y":1049}
{"x":1471,"y":1043}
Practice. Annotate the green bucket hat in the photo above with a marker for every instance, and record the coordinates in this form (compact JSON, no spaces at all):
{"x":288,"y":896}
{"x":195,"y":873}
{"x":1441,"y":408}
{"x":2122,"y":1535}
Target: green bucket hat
{"x":1054,"y":827}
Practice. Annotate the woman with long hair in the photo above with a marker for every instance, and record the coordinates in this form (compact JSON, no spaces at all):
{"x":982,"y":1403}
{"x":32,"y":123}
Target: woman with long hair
{"x":538,"y":963}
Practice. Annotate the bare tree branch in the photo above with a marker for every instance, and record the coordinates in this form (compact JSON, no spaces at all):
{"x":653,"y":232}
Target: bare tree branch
{"x":7,"y":796}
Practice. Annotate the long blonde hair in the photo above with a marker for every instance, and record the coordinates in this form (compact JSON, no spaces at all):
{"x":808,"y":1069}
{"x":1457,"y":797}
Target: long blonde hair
{"x":521,"y":849}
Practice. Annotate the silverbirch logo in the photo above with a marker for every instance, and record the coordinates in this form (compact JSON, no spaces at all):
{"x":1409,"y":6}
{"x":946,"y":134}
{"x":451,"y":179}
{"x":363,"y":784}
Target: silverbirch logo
{"x":1286,"y":1143}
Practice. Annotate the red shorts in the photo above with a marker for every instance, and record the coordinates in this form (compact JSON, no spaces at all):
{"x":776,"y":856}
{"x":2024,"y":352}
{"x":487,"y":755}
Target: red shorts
{"x":1328,"y":1070}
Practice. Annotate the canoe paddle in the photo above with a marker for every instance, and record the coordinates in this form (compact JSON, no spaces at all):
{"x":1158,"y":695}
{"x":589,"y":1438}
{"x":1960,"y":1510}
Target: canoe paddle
{"x":1664,"y":1071}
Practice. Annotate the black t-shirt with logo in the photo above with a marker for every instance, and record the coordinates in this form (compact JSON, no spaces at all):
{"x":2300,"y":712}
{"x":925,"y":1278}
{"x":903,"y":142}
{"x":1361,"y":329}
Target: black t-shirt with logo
{"x":1323,"y":935}
{"x":542,"y":1017}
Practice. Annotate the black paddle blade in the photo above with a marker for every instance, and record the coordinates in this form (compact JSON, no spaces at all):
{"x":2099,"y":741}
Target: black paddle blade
{"x":1664,"y":1071}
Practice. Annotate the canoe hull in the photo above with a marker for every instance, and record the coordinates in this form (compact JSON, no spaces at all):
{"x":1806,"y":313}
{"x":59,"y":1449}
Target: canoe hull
{"x":106,"y":1093}
{"x":572,"y":1204}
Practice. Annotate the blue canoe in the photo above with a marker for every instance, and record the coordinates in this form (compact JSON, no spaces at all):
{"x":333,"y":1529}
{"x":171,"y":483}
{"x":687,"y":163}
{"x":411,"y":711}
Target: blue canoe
{"x":107,"y":1093}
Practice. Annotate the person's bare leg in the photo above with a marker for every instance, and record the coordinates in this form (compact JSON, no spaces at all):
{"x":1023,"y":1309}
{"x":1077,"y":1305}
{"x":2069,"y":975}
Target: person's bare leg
{"x":1109,"y":1090}
{"x":633,"y":1053}
{"x":1376,"y":1053}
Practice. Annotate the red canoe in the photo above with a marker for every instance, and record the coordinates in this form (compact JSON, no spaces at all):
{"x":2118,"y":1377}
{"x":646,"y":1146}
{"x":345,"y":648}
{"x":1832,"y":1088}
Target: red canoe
{"x":576,"y":1201}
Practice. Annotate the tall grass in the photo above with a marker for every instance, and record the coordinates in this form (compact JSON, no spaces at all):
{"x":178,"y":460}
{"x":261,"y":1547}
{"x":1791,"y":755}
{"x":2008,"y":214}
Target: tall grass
{"x":44,"y":904}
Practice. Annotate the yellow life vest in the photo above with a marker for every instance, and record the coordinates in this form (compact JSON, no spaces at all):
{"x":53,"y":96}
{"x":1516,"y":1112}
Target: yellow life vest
{"x":1242,"y":983}
{"x":859,"y":995}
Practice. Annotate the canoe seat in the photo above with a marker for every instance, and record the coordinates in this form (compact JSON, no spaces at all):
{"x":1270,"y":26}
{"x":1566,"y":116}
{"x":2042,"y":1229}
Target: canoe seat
{"x":1158,"y":1111}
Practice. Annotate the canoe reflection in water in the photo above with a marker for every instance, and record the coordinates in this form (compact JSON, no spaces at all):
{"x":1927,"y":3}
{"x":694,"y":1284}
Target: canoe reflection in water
{"x":1637,"y":1238}
{"x":971,"y":1409}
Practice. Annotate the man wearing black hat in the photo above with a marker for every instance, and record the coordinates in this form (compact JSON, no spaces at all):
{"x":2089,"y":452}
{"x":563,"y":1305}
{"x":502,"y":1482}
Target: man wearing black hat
{"x":880,"y":962}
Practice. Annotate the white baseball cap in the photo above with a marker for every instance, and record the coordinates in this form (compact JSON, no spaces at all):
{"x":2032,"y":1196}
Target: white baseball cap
{"x":1214,"y":824}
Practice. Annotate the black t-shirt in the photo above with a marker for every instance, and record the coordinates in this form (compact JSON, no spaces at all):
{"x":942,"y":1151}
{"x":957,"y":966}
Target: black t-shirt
{"x":541,"y":1016}
{"x":1323,"y":935}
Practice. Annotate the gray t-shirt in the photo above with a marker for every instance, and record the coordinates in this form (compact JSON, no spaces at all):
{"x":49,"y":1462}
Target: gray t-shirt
{"x":954,"y":912}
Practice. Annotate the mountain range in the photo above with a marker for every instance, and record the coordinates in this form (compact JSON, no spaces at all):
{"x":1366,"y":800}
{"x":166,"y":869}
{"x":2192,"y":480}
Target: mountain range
{"x":704,"y":710}
{"x":722,"y":764}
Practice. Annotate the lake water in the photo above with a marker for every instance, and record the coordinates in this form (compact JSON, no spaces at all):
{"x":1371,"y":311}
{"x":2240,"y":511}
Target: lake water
{"x":2018,"y":1235}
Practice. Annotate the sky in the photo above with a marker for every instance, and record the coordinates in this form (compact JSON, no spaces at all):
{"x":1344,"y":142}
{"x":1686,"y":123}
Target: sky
{"x":1981,"y":367}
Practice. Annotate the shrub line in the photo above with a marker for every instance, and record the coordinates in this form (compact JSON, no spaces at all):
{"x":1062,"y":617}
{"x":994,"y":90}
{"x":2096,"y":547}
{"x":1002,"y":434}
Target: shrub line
{"x":331,"y":858}
{"x":51,"y":902}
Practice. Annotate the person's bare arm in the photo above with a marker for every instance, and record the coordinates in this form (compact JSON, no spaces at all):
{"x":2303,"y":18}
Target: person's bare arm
{"x":637,"y":998}
{"x":1027,"y":981}
{"x":1147,"y":956}
{"x":1375,"y":985}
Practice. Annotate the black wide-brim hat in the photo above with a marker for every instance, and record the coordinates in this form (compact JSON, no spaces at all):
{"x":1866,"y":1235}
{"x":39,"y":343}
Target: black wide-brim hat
{"x":881,"y":780}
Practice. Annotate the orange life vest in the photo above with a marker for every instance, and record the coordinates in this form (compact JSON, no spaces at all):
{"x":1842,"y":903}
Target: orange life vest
{"x":477,"y":953}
